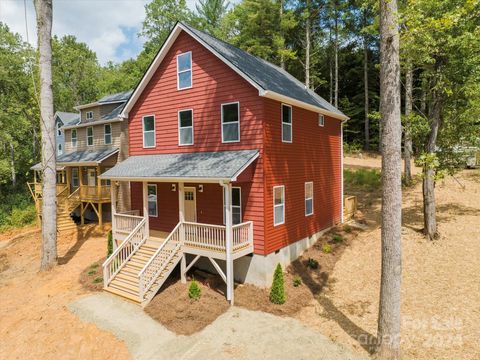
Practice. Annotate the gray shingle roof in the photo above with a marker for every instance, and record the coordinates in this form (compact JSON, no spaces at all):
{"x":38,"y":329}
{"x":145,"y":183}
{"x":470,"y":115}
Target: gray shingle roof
{"x":199,"y":165}
{"x":68,"y":118}
{"x":266,"y":75}
{"x":122,"y":96}
{"x":115,"y":113}
{"x":86,"y":156}
{"x":38,"y":167}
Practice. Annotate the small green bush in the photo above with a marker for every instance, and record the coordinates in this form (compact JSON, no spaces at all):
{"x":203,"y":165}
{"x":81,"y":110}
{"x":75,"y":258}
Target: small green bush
{"x":109,"y":243}
{"x":337,"y":238}
{"x":16,"y":209}
{"x":297,"y":281}
{"x":327,"y":248}
{"x":347,"y":228}
{"x":92,"y":272}
{"x":312,"y":263}
{"x":194,"y":291}
{"x":97,"y":280}
{"x":277,"y":292}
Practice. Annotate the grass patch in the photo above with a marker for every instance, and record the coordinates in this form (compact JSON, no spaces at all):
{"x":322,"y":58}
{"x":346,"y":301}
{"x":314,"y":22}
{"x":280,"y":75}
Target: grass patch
{"x":366,"y":178}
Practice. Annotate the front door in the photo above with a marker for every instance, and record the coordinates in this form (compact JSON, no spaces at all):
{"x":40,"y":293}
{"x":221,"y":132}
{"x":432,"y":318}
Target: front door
{"x":91,"y":180}
{"x":190,"y":204}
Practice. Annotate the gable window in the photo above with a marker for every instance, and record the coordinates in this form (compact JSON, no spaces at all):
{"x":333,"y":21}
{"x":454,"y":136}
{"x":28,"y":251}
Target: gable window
{"x":59,"y":149}
{"x":74,"y":137}
{"x":152,"y":200}
{"x":59,"y":130}
{"x":90,"y":136}
{"x":185,"y":127}
{"x":75,"y":177}
{"x":308,"y":198}
{"x":286,"y":123}
{"x":236,"y":205}
{"x":231,"y":122}
{"x":107,"y":137}
{"x":321,"y":120}
{"x":148,"y":131}
{"x":89,"y":115}
{"x":278,"y":205}
{"x":184,"y":70}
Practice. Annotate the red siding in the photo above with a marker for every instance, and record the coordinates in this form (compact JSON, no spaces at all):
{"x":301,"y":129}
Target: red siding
{"x":214,"y":83}
{"x":314,"y":155}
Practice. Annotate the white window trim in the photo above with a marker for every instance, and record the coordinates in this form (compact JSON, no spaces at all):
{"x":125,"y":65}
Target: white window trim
{"x":231,"y":197}
{"x":86,"y":133}
{"x":154,"y":132}
{"x":290,"y":124}
{"x":87,"y":116}
{"x":238,"y":122}
{"x":105,"y":134}
{"x":156,"y":202}
{"x":74,"y":145}
{"x":191,"y":72}
{"x":186,"y":127}
{"x":274,"y":206}
{"x":322,"y":122}
{"x":305,"y":196}
{"x":59,"y":129}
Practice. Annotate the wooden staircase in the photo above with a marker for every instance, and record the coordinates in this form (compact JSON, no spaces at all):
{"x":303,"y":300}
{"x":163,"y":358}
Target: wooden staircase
{"x":65,"y":206}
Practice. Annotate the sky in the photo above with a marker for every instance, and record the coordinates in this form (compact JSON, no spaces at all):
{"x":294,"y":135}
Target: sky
{"x":109,"y":27}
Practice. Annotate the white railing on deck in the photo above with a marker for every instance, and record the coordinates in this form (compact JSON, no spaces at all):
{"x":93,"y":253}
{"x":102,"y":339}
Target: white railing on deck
{"x":242,"y":235}
{"x":157,"y":263}
{"x":126,"y":223}
{"x":205,"y":236}
{"x":124,"y":252}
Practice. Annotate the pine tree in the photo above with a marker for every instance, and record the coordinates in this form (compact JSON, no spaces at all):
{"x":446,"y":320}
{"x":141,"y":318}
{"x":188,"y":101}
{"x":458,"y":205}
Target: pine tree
{"x":277,"y":292}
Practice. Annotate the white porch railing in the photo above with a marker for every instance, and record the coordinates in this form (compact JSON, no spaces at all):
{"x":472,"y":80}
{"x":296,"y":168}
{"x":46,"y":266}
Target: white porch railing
{"x":127,"y":221}
{"x":242,"y":235}
{"x":124,"y":252}
{"x":158,"y":262}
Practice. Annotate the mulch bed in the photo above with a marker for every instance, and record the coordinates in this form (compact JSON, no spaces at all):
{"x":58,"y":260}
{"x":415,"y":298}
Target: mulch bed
{"x":91,"y":277}
{"x":175,"y":310}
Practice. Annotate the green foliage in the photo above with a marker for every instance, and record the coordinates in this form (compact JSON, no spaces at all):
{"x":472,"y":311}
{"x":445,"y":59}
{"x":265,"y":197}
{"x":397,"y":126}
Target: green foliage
{"x":337,"y":238}
{"x":327,"y":248}
{"x":297,"y":281}
{"x":92,"y":272}
{"x":367,"y":178}
{"x":97,"y":280}
{"x":109,"y":243}
{"x":312,"y":263}
{"x":16,"y":210}
{"x":277,"y":292}
{"x":210,"y":14}
{"x":194,"y":291}
{"x":347,"y":228}
{"x":352,"y":148}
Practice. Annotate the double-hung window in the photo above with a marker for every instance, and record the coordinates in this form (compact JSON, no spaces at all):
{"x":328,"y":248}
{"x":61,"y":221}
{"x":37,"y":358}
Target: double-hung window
{"x":90,"y":136}
{"x":152,"y":200}
{"x":286,"y":123}
{"x":75,"y":177}
{"x":321,"y":120}
{"x":107,"y":136}
{"x":236,"y":205}
{"x":184,"y":70}
{"x":59,"y":149}
{"x":89,"y":115}
{"x":148,"y":131}
{"x":74,"y":138}
{"x":308,"y":198}
{"x":231,"y":122}
{"x":185,"y":127}
{"x":278,"y":205}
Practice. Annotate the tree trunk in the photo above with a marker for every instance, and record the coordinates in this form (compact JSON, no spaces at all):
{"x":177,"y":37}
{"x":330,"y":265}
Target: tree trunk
{"x":12,"y":165}
{"x":365,"y":85}
{"x":336,"y":55}
{"x":43,"y":9}
{"x":429,"y":206}
{"x":407,"y":145}
{"x":307,"y":46}
{"x":330,"y":65}
{"x":282,"y":56}
{"x":389,"y":308}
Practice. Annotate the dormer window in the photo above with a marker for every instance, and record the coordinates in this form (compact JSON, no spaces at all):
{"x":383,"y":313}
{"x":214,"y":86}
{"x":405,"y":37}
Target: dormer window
{"x":184,"y":70}
{"x":89,"y":115}
{"x":59,"y":130}
{"x":321,"y":120}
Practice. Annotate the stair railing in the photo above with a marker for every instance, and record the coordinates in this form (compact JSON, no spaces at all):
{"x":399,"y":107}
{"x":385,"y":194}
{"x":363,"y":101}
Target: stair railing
{"x":120,"y":257}
{"x":158,"y":262}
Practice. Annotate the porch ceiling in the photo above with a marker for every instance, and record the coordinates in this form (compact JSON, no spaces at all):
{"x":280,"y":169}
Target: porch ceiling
{"x":188,"y":167}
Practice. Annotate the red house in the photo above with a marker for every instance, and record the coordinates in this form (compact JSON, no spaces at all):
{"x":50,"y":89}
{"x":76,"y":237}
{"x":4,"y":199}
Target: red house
{"x":232,"y":162}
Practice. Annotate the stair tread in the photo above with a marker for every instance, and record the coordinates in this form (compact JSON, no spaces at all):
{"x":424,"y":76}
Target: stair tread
{"x":122,"y":293}
{"x":124,"y":285}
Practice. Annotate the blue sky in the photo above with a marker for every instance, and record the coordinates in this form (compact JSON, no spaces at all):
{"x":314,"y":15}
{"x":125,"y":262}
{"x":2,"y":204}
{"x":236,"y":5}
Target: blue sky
{"x":109,"y":27}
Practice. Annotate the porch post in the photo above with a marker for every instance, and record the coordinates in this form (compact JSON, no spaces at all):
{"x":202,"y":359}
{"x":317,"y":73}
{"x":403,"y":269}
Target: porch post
{"x":99,"y":192}
{"x":113,"y":197}
{"x":145,"y":207}
{"x":80,"y":177}
{"x":228,"y":241}
{"x":181,"y":218}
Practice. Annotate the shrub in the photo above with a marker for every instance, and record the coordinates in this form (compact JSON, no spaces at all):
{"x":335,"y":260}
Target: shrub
{"x":312,"y":263}
{"x":97,"y":280}
{"x":92,"y":272}
{"x":277,"y":292}
{"x":337,"y":238}
{"x":347,"y":228}
{"x":369,"y":179}
{"x":109,"y":243}
{"x":297,"y":281}
{"x":194,"y":291}
{"x":326,"y":248}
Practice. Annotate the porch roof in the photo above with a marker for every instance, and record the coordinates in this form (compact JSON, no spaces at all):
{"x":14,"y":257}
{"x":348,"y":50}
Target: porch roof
{"x":86,"y":157}
{"x":198,"y":166}
{"x":38,"y":167}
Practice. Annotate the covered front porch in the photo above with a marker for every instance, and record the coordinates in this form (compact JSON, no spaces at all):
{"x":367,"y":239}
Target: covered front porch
{"x":179,"y":216}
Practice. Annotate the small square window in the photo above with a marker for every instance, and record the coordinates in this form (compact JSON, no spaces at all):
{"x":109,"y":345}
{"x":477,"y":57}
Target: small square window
{"x":321,"y":120}
{"x":89,"y":115}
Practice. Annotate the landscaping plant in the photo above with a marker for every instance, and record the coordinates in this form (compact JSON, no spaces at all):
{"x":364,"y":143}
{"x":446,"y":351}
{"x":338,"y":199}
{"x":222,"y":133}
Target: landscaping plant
{"x":109,"y":243}
{"x":327,"y":248}
{"x":277,"y":293}
{"x":312,"y":263}
{"x":297,"y":281}
{"x":337,"y":238}
{"x":194,"y":291}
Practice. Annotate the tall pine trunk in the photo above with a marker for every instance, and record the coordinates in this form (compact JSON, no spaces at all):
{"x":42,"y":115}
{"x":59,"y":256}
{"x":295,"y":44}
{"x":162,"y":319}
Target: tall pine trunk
{"x":365,"y":86}
{"x":336,"y":56}
{"x":330,"y":66}
{"x":389,"y":307}
{"x":282,"y":56}
{"x":12,"y":165}
{"x":407,"y":144}
{"x":307,"y":46}
{"x":43,"y":9}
